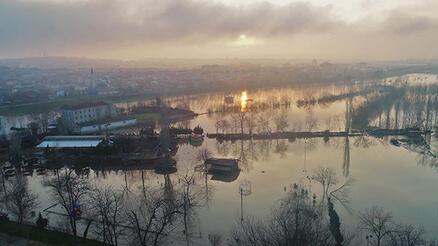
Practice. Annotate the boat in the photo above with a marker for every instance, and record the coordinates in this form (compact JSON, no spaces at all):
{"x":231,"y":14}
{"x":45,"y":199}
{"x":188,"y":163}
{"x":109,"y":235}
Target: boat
{"x":221,"y":165}
{"x":197,"y":138}
{"x":226,"y":177}
{"x":165,"y":166}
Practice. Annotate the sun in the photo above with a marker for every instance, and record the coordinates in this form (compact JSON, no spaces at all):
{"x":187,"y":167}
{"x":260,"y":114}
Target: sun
{"x":243,"y":40}
{"x":243,"y":101}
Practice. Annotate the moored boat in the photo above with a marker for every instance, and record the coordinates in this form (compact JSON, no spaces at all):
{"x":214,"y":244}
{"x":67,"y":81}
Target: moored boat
{"x":221,"y":165}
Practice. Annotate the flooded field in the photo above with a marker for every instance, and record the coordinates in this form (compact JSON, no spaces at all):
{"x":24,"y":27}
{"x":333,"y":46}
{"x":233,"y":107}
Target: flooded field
{"x":397,"y":173}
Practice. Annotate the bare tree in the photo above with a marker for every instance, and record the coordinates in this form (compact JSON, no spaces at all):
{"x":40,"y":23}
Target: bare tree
{"x":221,"y":124}
{"x":281,"y":122}
{"x":215,"y":239}
{"x":250,"y":122}
{"x":377,"y":222}
{"x":263,"y":123}
{"x":341,"y":192}
{"x":311,"y":122}
{"x":297,"y":221}
{"x":108,"y":209}
{"x":240,"y":118}
{"x":326,"y":177}
{"x":203,"y":155}
{"x":151,"y":217}
{"x":18,"y":199}
{"x":407,"y":235}
{"x":192,"y":196}
{"x":34,"y":127}
{"x":69,"y":189}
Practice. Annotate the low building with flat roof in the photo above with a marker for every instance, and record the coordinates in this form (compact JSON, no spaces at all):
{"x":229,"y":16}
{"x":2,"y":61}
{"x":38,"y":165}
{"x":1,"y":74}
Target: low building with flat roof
{"x":105,"y":125}
{"x":71,"y":141}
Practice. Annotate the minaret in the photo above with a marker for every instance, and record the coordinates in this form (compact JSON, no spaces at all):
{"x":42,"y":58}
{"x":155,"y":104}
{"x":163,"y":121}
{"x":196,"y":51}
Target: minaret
{"x":92,"y":79}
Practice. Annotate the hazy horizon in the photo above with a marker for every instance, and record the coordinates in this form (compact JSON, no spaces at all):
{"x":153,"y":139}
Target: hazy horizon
{"x":357,"y":30}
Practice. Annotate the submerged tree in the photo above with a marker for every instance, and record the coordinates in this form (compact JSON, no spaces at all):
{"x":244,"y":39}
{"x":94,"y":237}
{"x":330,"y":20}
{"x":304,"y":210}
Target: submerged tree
{"x":203,"y":154}
{"x":18,"y":200}
{"x":151,"y":217}
{"x":109,"y":211}
{"x":215,"y":239}
{"x":297,"y":221}
{"x":281,"y":121}
{"x":381,"y":229}
{"x":377,"y":222}
{"x":407,"y":235}
{"x":326,"y":177}
{"x":69,"y":190}
{"x":192,"y":196}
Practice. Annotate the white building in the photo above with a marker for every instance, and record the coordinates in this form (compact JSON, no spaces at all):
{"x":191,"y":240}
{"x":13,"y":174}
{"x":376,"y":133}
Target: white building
{"x":87,"y":112}
{"x":95,"y":117}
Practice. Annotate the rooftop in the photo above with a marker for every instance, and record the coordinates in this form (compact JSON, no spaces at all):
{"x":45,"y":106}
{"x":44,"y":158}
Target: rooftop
{"x":71,"y":141}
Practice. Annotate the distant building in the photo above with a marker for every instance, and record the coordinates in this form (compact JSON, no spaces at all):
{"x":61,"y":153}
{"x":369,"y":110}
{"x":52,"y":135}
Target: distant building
{"x":60,"y":93}
{"x":99,"y":86}
{"x":87,"y":112}
{"x":94,"y":117}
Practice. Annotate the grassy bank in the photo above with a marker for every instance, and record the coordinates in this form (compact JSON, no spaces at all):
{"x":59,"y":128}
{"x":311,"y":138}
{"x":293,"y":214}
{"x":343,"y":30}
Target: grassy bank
{"x":147,"y":116}
{"x":44,"y":236}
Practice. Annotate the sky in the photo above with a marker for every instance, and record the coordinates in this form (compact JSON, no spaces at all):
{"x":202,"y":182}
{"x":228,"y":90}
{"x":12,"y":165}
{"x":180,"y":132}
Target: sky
{"x":353,"y":30}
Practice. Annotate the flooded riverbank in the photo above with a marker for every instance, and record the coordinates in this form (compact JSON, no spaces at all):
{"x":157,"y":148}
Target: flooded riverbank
{"x":397,"y":173}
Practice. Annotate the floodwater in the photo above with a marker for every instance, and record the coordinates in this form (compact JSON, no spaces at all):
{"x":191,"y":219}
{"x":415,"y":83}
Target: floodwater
{"x":401,"y":179}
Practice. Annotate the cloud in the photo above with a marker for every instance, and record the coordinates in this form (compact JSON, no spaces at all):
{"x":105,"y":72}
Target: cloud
{"x":66,"y":27}
{"x":85,"y":21}
{"x":405,"y":24}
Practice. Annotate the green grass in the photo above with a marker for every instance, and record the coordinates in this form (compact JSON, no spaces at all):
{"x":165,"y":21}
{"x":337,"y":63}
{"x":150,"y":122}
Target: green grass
{"x":44,"y":236}
{"x":146,"y":116}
